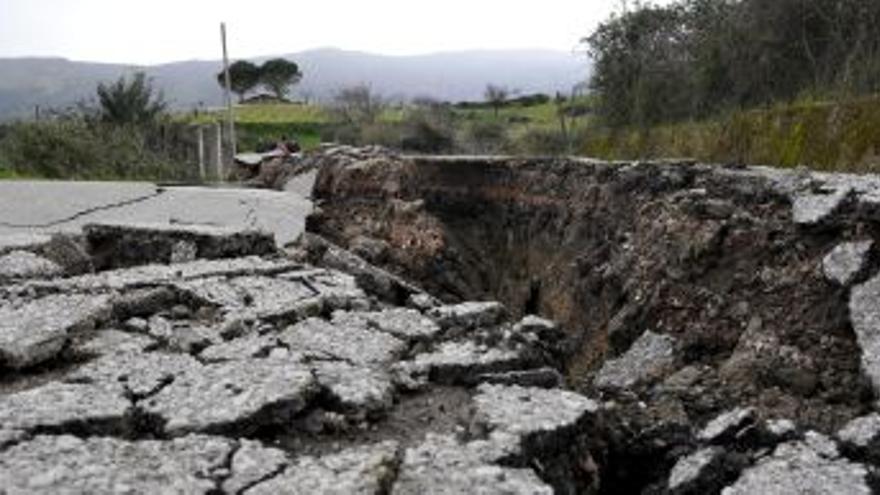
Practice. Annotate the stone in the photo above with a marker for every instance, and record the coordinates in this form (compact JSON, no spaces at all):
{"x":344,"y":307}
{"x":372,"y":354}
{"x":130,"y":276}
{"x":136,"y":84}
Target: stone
{"x":136,"y":374}
{"x":251,"y":464}
{"x":242,"y":348}
{"x":350,"y":342}
{"x":126,"y":244}
{"x":234,"y":397}
{"x":546,"y":330}
{"x":697,"y":473}
{"x":864,"y":310}
{"x":36,"y":331}
{"x":440,"y":466}
{"x":22,"y":242}
{"x":24,"y":264}
{"x":539,"y":377}
{"x":469,"y":315}
{"x":457,"y":363}
{"x":725,"y":427}
{"x":813,"y":208}
{"x":69,"y":252}
{"x":405,"y":324}
{"x":66,"y":408}
{"x":66,"y":464}
{"x":536,"y":415}
{"x":802,"y":467}
{"x":126,"y":279}
{"x":112,"y":341}
{"x":861,"y":437}
{"x":846,"y":262}
{"x":650,"y":358}
{"x":375,"y":281}
{"x":366,"y":470}
{"x":357,"y":389}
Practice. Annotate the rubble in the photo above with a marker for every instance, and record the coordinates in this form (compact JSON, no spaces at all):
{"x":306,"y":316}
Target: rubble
{"x":24,"y":264}
{"x":120,"y":245}
{"x":649,"y":358}
{"x":660,"y":328}
{"x":803,"y":467}
{"x":36,"y":331}
{"x":847,"y":261}
{"x":366,"y":470}
{"x":49,"y":464}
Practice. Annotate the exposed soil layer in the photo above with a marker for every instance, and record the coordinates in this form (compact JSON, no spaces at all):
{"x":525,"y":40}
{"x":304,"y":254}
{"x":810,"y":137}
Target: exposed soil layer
{"x":733,"y":265}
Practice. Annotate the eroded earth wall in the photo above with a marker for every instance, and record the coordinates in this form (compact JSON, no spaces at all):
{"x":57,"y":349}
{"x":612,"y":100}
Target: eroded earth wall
{"x":686,"y":290}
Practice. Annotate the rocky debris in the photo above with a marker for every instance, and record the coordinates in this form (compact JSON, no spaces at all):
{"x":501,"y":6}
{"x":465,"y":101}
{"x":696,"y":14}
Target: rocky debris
{"x":36,"y":331}
{"x":237,"y":397}
{"x":53,"y":464}
{"x":469,"y":315}
{"x":403,"y":323}
{"x":811,"y":466}
{"x":440,"y":465}
{"x":846,"y":262}
{"x":69,"y":252}
{"x":864,"y":308}
{"x":816,"y":207}
{"x":697,"y":473}
{"x":539,"y":377}
{"x":861,"y":437}
{"x":291,"y":298}
{"x":725,"y":427}
{"x":376,"y":281}
{"x":359,"y":390}
{"x":109,"y":341}
{"x":22,"y":242}
{"x":537,"y":416}
{"x":66,"y":407}
{"x":457,"y":363}
{"x":349,"y":343}
{"x":650,"y":358}
{"x":136,"y":374}
{"x":120,"y":245}
{"x":251,"y":464}
{"x":551,"y":426}
{"x":24,"y":264}
{"x":365,"y":470}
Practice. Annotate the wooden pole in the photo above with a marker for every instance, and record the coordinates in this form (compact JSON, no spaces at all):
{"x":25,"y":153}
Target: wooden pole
{"x":200,"y":135}
{"x":230,"y":115}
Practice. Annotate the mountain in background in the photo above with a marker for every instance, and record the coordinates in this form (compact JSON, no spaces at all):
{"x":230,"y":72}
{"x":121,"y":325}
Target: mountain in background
{"x":451,"y":76}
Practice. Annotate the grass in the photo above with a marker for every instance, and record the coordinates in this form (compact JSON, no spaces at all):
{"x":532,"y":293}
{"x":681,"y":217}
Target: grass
{"x":308,"y":124}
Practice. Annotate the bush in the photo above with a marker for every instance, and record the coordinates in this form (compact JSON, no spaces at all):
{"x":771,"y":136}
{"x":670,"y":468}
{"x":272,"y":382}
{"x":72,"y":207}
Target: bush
{"x":74,"y":149}
{"x":538,"y":141}
{"x":485,"y":136}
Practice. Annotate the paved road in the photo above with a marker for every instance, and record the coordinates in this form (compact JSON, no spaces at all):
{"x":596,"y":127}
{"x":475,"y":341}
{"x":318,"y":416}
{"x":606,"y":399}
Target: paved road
{"x":39,"y":207}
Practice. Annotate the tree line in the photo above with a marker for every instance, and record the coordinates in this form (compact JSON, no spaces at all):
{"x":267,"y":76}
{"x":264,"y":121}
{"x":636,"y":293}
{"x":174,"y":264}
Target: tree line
{"x":696,"y":58}
{"x":276,"y":76}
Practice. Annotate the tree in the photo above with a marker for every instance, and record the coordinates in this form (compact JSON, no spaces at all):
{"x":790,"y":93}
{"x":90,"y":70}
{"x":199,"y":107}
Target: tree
{"x":278,"y":75}
{"x":496,"y":96}
{"x":357,"y":105}
{"x":130,"y":101}
{"x":243,"y":77}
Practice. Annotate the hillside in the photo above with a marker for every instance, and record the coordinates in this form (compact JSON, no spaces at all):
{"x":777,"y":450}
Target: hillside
{"x":55,"y":82}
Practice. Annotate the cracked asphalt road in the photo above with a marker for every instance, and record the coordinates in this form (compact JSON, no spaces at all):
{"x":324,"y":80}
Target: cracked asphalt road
{"x":38,"y":207}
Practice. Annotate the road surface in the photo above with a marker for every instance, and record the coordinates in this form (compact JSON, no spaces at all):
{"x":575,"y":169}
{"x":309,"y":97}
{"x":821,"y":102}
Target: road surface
{"x":43,"y":207}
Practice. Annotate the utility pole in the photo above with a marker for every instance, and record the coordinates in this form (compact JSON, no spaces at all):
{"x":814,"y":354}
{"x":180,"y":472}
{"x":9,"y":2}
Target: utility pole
{"x":230,"y":115}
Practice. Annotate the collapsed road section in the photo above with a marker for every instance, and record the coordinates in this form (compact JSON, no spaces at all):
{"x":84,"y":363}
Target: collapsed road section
{"x":720,"y":312}
{"x":220,"y":366}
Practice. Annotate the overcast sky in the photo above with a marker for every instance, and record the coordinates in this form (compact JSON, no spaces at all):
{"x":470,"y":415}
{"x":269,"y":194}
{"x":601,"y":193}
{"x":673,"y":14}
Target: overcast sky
{"x":156,"y":31}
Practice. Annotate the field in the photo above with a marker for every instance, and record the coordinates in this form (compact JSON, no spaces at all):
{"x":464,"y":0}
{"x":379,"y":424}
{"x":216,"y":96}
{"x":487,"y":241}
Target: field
{"x":312,"y":124}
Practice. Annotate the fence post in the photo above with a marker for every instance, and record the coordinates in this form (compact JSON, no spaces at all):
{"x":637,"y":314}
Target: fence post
{"x":219,"y":130}
{"x":200,"y":138}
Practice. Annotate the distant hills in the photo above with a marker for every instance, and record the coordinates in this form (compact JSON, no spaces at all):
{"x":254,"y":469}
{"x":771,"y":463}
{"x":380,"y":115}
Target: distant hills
{"x":453,"y":76}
